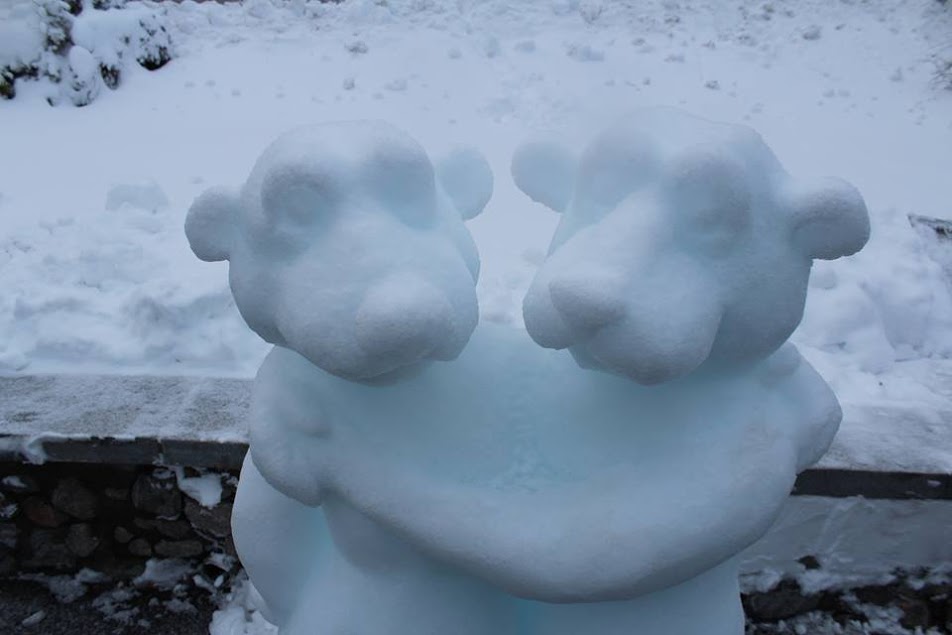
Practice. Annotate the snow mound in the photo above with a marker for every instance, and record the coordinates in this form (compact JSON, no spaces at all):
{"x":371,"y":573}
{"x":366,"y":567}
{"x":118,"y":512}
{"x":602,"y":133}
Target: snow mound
{"x":347,"y":245}
{"x":888,"y":304}
{"x":682,"y":242}
{"x":84,"y":82}
{"x":146,"y":196}
{"x":86,"y":294}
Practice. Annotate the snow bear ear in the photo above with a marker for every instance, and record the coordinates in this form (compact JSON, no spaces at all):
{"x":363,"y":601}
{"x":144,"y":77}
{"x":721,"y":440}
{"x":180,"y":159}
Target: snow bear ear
{"x":829,"y":219}
{"x":467,"y":179}
{"x":545,"y":171}
{"x":210,"y":224}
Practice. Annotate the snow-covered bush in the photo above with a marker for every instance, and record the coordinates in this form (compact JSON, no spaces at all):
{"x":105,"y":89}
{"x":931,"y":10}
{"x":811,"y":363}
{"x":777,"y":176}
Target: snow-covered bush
{"x":20,"y":41}
{"x":943,"y":71}
{"x":79,"y":45}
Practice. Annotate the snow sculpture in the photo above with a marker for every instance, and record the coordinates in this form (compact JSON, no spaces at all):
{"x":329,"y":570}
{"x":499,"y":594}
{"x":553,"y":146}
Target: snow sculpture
{"x":342,"y":248}
{"x":681,"y":242}
{"x":504,"y":489}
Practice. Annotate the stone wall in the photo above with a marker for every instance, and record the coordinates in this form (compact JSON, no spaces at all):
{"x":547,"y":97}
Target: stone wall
{"x":108,"y":528}
{"x":64,"y":517}
{"x":910,"y":601}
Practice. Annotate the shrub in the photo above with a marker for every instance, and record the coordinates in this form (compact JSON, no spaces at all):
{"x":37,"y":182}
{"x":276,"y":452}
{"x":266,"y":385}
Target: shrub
{"x":943,"y":71}
{"x":80,"y":46}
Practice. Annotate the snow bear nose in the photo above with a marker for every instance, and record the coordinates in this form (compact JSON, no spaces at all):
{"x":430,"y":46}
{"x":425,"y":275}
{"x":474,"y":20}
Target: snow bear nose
{"x":404,"y":319}
{"x":587,"y":299}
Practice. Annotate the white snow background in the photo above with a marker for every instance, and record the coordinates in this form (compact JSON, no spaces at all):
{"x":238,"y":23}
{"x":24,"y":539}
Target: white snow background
{"x":96,"y":275}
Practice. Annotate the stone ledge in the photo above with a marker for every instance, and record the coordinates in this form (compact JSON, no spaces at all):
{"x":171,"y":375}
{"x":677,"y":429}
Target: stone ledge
{"x":199,"y":422}
{"x":124,"y":407}
{"x":223,"y":455}
{"x":835,"y":483}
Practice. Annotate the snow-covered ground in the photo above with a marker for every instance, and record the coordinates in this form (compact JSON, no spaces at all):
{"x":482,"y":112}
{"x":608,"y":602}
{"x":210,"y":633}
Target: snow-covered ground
{"x":96,"y":275}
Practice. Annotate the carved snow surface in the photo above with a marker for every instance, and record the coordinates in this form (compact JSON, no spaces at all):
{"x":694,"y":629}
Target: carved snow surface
{"x":682,"y":241}
{"x":508,"y":479}
{"x":504,"y":489}
{"x":345,"y":246}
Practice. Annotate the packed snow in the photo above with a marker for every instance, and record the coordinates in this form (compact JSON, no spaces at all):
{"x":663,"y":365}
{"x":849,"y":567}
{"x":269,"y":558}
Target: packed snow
{"x":683,"y":243}
{"x":204,"y":489}
{"x":483,"y":485}
{"x":344,"y":230}
{"x":241,"y":613}
{"x":386,"y":442}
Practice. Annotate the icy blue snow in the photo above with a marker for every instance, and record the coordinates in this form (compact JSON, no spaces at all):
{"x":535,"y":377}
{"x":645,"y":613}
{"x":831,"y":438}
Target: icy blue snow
{"x":413,"y":472}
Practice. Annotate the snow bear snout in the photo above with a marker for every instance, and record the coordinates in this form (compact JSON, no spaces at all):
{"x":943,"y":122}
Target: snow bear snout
{"x":587,"y":300}
{"x":405,"y":319}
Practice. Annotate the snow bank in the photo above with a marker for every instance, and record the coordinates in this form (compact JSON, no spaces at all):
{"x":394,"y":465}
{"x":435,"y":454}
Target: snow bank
{"x":92,"y":289}
{"x":888,"y":304}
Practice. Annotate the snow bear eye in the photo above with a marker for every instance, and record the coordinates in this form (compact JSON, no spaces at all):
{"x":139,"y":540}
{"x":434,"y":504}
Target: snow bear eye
{"x":613,"y":167}
{"x":402,"y":179}
{"x":709,"y":196}
{"x":298,"y":194}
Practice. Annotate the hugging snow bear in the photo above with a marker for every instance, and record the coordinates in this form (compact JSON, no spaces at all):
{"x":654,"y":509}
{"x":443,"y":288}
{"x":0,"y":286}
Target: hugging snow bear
{"x":412,"y":472}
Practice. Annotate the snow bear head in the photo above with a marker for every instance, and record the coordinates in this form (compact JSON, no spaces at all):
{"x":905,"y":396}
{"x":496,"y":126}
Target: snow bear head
{"x":348,"y":246}
{"x":681,"y":241}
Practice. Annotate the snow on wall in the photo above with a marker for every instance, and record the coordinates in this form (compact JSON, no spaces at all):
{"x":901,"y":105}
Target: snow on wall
{"x":856,"y":542}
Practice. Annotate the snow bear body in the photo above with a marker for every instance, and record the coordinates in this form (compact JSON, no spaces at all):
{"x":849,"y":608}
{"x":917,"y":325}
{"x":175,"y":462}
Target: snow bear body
{"x":502,"y":489}
{"x":571,"y":498}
